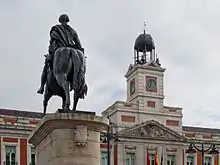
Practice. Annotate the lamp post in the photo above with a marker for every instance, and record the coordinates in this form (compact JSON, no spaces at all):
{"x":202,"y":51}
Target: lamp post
{"x":193,"y":148}
{"x":107,"y":139}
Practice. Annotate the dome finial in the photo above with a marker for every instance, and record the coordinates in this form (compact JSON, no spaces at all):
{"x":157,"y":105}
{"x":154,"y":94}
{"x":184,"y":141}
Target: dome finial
{"x":145,"y":26}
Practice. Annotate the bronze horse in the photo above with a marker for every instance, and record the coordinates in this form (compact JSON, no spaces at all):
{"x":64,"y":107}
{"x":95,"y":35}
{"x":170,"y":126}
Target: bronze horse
{"x":68,"y":74}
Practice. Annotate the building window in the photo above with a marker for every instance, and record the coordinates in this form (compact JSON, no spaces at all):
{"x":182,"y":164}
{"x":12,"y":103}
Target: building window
{"x":152,"y":159}
{"x":10,"y":152}
{"x":104,"y":158}
{"x":130,"y":158}
{"x":190,"y":160}
{"x":33,"y":158}
{"x":208,"y":160}
{"x":171,"y":160}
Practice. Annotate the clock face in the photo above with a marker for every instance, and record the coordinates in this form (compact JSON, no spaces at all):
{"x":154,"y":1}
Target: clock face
{"x":151,"y":84}
{"x":132,"y":87}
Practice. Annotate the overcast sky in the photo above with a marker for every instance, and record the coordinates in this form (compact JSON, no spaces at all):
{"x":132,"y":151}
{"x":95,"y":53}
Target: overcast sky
{"x":186,"y":34}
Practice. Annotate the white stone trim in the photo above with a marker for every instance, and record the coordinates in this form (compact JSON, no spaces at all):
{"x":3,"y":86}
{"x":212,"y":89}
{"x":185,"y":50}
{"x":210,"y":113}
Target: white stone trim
{"x":29,"y":146}
{"x":188,"y":154}
{"x":171,"y":154}
{"x":212,"y":158}
{"x":28,"y":153}
{"x":111,"y":152}
{"x":17,"y":145}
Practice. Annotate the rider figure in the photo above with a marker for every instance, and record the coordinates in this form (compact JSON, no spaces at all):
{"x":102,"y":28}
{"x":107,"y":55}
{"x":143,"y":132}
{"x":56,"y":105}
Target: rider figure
{"x":60,"y":36}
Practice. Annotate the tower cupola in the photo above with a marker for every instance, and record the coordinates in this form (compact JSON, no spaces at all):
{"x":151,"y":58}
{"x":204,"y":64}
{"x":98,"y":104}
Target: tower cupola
{"x":144,"y":48}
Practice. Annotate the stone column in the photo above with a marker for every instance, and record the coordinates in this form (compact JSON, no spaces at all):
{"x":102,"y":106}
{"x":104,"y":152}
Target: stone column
{"x":140,"y":154}
{"x":179,"y":155}
{"x":121,"y":154}
{"x":68,"y":139}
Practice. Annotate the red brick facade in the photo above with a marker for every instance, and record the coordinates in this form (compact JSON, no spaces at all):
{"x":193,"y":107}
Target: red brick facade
{"x":199,"y":158}
{"x":189,"y":135}
{"x":126,"y":118}
{"x":23,"y":152}
{"x":151,"y":104}
{"x":207,"y":136}
{"x":104,"y":145}
{"x":172,"y":123}
{"x":216,"y":160}
{"x":187,"y":132}
{"x":115,"y":154}
{"x":10,"y":140}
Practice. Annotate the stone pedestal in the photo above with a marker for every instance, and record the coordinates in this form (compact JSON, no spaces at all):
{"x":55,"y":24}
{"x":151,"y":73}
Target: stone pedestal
{"x":68,"y":139}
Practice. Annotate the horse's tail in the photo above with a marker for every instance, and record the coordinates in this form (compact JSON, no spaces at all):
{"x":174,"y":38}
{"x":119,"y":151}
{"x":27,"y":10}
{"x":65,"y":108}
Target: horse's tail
{"x":79,"y":69}
{"x":61,"y":60}
{"x":76,"y":65}
{"x":71,"y":62}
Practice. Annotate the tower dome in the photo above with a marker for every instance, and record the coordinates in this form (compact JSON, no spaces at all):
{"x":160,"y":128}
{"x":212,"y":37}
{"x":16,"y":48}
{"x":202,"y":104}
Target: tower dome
{"x":144,"y":44}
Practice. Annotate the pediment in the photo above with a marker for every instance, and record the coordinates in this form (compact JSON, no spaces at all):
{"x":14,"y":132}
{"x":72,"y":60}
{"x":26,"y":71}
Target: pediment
{"x":152,"y":130}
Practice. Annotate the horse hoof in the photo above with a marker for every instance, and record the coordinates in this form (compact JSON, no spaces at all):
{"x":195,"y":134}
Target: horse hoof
{"x":66,"y":109}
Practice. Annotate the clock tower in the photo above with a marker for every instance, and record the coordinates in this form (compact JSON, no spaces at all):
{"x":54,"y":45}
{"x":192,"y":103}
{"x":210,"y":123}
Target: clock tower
{"x":145,"y":91}
{"x":145,"y":76}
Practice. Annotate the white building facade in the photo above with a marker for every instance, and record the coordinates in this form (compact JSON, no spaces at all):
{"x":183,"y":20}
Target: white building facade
{"x":145,"y":126}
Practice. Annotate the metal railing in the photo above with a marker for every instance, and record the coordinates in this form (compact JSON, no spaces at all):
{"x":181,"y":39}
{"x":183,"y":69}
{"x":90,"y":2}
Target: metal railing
{"x":10,"y":163}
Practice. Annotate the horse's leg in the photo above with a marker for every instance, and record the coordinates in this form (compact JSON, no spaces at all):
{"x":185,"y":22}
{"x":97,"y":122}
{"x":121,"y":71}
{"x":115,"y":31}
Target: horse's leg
{"x":62,"y":81}
{"x":63,"y":102}
{"x":47,"y":97}
{"x":75,"y":101}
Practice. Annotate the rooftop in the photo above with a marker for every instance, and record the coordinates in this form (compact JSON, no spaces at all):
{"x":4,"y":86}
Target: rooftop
{"x":19,"y":113}
{"x":29,"y":114}
{"x":201,"y":129}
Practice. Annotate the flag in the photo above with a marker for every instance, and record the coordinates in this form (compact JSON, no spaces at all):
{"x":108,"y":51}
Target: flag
{"x":148,"y":158}
{"x":156,"y":159}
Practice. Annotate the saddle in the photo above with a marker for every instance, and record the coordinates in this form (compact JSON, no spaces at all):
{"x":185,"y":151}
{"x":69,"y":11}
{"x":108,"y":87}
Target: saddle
{"x":76,"y":47}
{"x":49,"y":57}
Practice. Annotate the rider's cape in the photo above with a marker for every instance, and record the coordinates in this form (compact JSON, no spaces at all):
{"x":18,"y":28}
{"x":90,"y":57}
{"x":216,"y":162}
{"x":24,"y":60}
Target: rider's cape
{"x":64,"y":34}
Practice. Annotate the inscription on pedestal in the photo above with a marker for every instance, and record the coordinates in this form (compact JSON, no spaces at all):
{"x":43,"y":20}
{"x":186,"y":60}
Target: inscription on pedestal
{"x":81,"y":135}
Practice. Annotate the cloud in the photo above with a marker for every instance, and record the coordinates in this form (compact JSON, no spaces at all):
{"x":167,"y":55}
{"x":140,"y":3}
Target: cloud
{"x":186,"y":34}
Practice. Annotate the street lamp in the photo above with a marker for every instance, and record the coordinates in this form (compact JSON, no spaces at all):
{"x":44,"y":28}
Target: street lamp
{"x":108,"y":137}
{"x":193,"y":148}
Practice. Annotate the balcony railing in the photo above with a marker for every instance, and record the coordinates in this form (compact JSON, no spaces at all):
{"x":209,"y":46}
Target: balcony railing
{"x":10,"y":163}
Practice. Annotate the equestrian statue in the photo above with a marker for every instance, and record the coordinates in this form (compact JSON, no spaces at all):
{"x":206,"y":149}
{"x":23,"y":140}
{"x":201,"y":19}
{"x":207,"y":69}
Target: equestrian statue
{"x":65,"y":66}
